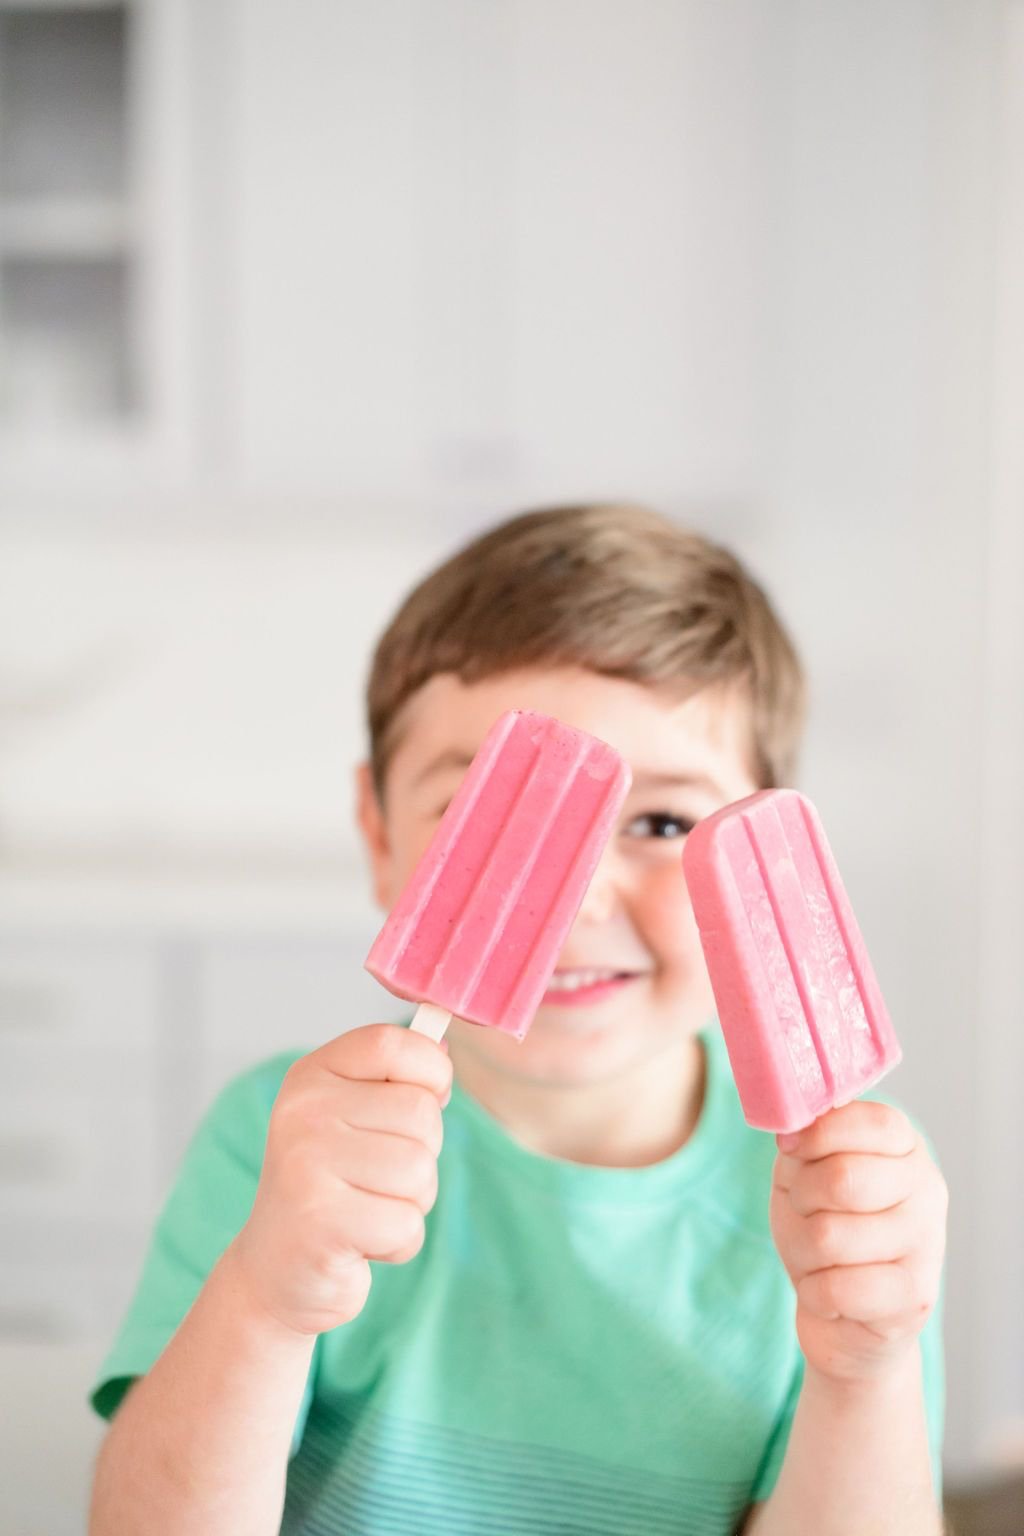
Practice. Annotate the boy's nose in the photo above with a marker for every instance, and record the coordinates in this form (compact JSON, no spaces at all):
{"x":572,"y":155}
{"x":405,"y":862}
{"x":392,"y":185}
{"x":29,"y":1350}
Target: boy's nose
{"x":602,"y":894}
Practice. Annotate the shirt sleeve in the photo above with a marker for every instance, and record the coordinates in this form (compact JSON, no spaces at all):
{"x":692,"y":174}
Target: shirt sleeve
{"x":209,"y":1202}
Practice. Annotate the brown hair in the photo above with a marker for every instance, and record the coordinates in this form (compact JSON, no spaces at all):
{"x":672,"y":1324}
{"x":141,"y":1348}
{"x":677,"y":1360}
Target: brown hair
{"x":616,"y":589}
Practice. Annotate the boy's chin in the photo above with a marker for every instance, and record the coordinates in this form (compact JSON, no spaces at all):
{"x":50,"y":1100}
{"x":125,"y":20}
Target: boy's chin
{"x":552,"y":1021}
{"x":569,"y":1045}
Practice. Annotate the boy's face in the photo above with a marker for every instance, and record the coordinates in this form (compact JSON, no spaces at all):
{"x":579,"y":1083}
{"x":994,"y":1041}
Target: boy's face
{"x":636,"y":928}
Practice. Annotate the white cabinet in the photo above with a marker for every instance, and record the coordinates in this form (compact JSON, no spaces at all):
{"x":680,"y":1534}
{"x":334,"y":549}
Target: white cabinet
{"x":401,"y":256}
{"x":81,"y":1121}
{"x":95,"y":320}
{"x":329,"y":379}
{"x":112,"y":1047}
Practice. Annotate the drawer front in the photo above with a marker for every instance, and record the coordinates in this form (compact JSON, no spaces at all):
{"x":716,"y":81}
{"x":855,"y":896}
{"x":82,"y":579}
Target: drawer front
{"x":77,"y":996}
{"x":67,"y":1299}
{"x":88,"y":1148}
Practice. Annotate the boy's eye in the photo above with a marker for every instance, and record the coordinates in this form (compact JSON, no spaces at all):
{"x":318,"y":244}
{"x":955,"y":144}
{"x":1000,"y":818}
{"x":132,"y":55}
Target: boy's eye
{"x":660,"y":824}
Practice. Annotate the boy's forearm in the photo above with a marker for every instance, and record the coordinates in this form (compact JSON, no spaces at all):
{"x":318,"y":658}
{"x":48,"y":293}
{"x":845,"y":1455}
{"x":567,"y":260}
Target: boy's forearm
{"x":857,"y":1463}
{"x":200,"y":1445}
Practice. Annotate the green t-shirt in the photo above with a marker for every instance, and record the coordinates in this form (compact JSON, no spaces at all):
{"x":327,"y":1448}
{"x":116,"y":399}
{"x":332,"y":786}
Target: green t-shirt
{"x":575,"y":1349}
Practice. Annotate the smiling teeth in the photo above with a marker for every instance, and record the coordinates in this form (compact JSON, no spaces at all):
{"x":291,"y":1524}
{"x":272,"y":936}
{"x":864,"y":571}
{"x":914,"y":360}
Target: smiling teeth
{"x":572,"y":981}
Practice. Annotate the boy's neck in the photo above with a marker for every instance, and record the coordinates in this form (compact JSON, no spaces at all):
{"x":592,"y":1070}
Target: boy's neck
{"x":639,"y":1117}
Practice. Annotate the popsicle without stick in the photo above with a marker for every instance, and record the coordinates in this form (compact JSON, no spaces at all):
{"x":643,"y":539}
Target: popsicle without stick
{"x":478,"y":928}
{"x":803,"y":1017}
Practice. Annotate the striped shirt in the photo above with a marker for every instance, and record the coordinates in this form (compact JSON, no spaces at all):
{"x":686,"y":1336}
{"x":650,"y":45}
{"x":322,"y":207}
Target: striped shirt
{"x":576,"y":1349}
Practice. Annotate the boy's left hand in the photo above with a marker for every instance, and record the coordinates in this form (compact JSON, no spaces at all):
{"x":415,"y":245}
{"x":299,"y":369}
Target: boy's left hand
{"x":858,"y":1214}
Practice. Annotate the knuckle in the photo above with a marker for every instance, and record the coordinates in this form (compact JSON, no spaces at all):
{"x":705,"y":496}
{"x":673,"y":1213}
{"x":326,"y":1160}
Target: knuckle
{"x":924,"y":1287}
{"x":427,"y":1193}
{"x":295,"y":1074}
{"x":825,"y":1290}
{"x":811,"y":1139}
{"x":906,"y":1287}
{"x":841,"y":1181}
{"x":926,"y":1297}
{"x":819,"y":1292}
{"x":429,"y":1197}
{"x":424,"y":1117}
{"x":890,"y":1126}
{"x":420,"y":1169}
{"x":325,"y":1261}
{"x":411,"y":1229}
{"x":293,"y":1091}
{"x":824,"y":1235}
{"x":884,"y":1116}
{"x":380,"y":1044}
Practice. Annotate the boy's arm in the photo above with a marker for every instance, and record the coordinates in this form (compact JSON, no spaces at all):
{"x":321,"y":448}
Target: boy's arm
{"x":200,"y":1443}
{"x":858,"y":1214}
{"x":857,"y":1462}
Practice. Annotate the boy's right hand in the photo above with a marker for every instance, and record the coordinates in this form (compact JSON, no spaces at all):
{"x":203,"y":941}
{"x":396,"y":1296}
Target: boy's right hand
{"x":349,"y":1173}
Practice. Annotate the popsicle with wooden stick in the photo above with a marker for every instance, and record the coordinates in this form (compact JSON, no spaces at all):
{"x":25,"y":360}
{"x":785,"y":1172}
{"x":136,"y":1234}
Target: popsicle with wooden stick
{"x":479,"y":926}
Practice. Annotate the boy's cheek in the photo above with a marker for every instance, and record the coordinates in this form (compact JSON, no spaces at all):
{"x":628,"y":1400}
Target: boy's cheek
{"x":669,"y":928}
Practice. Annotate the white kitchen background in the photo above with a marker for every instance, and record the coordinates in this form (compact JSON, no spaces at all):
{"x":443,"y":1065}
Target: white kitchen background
{"x":293,"y":298}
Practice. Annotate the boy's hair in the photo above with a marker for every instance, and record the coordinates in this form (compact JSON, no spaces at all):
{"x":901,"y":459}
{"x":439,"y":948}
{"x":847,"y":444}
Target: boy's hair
{"x":616,"y":589}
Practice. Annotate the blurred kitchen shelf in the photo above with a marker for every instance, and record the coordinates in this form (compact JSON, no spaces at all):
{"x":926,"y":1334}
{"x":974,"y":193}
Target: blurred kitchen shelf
{"x":338,"y":899}
{"x":42,"y":6}
{"x":94,"y":379}
{"x":65,"y":227}
{"x":67,"y":341}
{"x":994,"y":1508}
{"x":64,"y":104}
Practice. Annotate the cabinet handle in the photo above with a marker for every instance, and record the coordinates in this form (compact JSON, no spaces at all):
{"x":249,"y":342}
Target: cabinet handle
{"x":32,"y":1160}
{"x":33,"y":1325}
{"x":24,"y":1006}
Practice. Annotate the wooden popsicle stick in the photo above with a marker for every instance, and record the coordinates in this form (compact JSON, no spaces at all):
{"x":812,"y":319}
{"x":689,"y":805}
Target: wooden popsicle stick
{"x":431,"y":1020}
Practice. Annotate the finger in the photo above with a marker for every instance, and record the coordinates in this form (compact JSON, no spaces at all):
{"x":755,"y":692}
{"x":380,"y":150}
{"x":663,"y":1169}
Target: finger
{"x":863,"y":1126}
{"x":838,"y":1237}
{"x":382,"y":1164}
{"x":864,"y":1293}
{"x":387,"y":1053}
{"x":402,"y":1109}
{"x":317,"y":1103}
{"x":377,"y":1226}
{"x":852,"y":1181}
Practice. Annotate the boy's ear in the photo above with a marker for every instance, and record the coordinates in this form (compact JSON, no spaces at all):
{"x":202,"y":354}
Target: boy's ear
{"x":371,"y":824}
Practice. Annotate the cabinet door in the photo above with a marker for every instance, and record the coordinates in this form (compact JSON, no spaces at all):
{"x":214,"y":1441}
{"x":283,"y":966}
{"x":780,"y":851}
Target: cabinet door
{"x":81,"y":1124}
{"x":514,"y":246}
{"x":324,"y":244}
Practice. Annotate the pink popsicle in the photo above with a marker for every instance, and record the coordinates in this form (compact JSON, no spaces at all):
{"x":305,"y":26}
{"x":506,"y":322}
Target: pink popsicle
{"x":801,"y":1010}
{"x":478,"y":928}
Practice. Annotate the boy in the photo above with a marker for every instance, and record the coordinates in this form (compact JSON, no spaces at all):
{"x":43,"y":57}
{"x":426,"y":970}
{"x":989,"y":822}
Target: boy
{"x":581,"y":1312}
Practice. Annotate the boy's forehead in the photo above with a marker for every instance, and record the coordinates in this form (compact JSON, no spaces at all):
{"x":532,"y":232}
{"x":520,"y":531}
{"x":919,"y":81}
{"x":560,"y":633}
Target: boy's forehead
{"x":706,"y":733}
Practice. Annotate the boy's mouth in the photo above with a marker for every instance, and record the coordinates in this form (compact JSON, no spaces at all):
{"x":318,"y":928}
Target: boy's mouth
{"x":576,"y":987}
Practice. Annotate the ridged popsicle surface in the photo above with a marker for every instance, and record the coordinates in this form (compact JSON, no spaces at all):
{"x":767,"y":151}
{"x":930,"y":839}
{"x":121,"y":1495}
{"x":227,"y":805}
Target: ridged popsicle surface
{"x":479,"y":926}
{"x":801,"y":1010}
